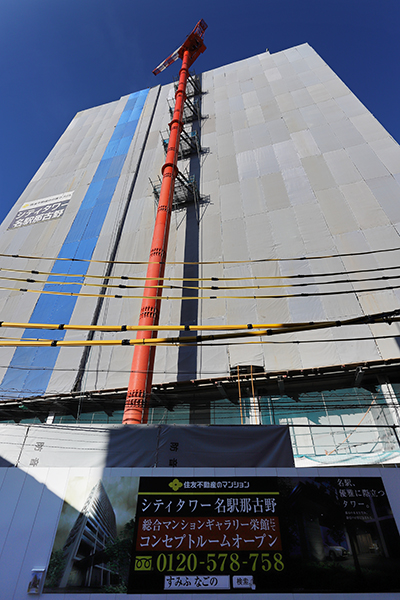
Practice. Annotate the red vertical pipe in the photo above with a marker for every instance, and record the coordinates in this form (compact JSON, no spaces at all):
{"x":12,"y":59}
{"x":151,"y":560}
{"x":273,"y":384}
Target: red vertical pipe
{"x":139,"y":387}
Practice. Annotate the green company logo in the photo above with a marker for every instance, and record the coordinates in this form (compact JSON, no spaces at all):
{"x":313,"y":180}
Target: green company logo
{"x":176,"y":485}
{"x":143,"y":563}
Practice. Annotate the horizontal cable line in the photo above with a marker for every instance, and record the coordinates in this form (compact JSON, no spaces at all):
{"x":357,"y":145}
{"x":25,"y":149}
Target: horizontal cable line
{"x":227,"y":409}
{"x":373,"y":318}
{"x":122,"y":371}
{"x":300,"y":405}
{"x":314,"y":402}
{"x":205,"y":297}
{"x":100,"y":448}
{"x":272,"y":378}
{"x":264,"y":404}
{"x":213,"y":262}
{"x":337,"y":454}
{"x":266,"y":400}
{"x":122,"y":328}
{"x":305,"y":404}
{"x":369,"y":319}
{"x":243,"y":278}
{"x":324,"y":341}
{"x":183,"y":343}
{"x":212,"y":287}
{"x":278,"y":402}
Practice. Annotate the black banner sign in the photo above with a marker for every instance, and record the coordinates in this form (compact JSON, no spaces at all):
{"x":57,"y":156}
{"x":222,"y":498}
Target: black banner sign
{"x":259,"y":535}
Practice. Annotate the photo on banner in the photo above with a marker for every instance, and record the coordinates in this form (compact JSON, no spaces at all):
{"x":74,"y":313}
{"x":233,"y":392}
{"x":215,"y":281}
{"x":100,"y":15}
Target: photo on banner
{"x":92,"y":546}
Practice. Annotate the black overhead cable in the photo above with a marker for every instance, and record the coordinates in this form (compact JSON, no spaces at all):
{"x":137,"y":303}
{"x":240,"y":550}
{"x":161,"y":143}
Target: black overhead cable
{"x":105,"y":286}
{"x":213,"y":262}
{"x":207,"y":297}
{"x":211,"y":278}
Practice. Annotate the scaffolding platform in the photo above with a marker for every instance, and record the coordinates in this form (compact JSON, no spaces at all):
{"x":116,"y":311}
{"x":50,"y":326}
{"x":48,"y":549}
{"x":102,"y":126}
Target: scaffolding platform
{"x":193,"y":86}
{"x":191,"y":110}
{"x":189,"y":143}
{"x":186,"y":191}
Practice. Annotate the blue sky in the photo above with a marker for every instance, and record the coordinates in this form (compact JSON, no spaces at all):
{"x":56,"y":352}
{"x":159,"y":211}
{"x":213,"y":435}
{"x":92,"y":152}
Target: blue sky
{"x":58,"y":57}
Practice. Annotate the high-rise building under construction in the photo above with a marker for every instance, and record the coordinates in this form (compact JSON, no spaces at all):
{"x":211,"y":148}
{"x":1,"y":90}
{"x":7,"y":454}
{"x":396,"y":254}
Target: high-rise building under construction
{"x":281,"y":292}
{"x":285,"y":211}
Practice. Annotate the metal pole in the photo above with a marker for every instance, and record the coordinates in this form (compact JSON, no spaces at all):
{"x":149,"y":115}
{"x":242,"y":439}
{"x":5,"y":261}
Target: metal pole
{"x":139,"y":387}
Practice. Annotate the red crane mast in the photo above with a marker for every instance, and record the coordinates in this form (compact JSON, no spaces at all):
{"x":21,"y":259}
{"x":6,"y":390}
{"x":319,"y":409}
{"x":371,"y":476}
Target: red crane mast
{"x":140,"y":381}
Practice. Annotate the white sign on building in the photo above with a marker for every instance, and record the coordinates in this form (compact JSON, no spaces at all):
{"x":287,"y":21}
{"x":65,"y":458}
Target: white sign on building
{"x":45,"y":209}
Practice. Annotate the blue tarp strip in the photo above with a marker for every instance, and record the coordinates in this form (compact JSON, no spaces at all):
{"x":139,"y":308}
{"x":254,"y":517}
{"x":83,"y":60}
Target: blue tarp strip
{"x":80,"y":242}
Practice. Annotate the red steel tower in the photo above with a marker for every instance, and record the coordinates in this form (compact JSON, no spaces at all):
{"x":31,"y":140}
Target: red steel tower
{"x":140,"y":381}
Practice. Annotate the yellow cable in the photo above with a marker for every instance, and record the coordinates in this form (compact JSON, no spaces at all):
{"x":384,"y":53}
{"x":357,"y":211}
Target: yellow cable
{"x":362,"y":320}
{"x":121,"y":328}
{"x":198,"y":339}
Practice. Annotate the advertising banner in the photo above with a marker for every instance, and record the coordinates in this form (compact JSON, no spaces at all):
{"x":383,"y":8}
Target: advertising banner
{"x":213,"y":535}
{"x":261,"y":534}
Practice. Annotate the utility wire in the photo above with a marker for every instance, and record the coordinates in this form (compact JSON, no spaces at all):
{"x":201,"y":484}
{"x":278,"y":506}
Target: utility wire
{"x":242,"y":278}
{"x":387,"y":317}
{"x":212,"y":287}
{"x":251,"y":332}
{"x":208,"y":373}
{"x":205,"y":297}
{"x":213,"y":262}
